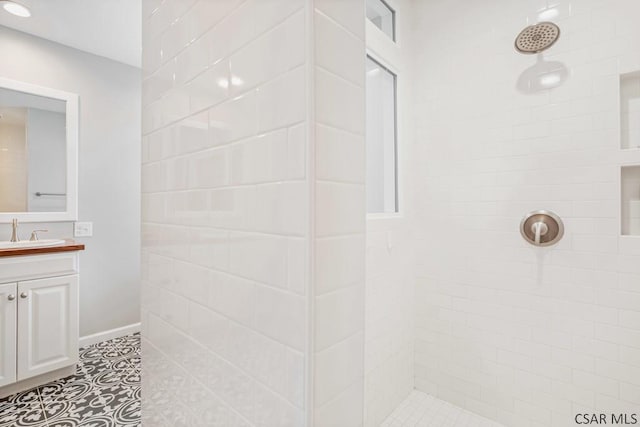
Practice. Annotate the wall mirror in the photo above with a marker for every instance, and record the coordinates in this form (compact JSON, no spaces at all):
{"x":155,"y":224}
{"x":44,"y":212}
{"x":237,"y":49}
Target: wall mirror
{"x":38,"y":153}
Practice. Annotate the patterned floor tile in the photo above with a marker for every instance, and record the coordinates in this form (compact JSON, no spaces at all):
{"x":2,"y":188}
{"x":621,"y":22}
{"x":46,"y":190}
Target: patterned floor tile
{"x":104,"y":392}
{"x":22,"y":414}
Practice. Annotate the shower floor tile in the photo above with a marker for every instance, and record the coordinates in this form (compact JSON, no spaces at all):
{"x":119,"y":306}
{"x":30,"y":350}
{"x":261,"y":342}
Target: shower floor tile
{"x":104,"y":392}
{"x":423,"y":410}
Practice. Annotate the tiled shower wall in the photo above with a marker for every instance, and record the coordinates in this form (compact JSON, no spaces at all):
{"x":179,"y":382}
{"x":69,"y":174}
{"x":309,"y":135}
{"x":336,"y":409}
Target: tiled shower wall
{"x":389,"y":327}
{"x":245,"y":113}
{"x":524,"y":336}
{"x":225,"y":212}
{"x":339,"y":213}
{"x":390,"y":281}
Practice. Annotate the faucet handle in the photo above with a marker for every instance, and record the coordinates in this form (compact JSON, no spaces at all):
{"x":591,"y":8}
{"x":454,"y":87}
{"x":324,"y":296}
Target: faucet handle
{"x":34,"y":234}
{"x":14,"y":230}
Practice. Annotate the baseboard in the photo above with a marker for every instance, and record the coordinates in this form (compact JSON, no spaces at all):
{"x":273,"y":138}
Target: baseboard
{"x":109,"y":335}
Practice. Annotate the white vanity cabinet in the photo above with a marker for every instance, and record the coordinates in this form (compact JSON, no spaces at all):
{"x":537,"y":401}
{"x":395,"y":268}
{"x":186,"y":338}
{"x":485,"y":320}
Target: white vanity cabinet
{"x":38,"y":319}
{"x":8,"y":333}
{"x":47,"y":325}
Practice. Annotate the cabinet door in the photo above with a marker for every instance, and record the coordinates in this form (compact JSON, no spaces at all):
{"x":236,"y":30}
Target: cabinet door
{"x":47,"y":325}
{"x":8,"y":304}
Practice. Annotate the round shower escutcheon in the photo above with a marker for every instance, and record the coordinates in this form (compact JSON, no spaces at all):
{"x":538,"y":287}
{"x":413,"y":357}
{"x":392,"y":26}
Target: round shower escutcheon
{"x":542,"y":228}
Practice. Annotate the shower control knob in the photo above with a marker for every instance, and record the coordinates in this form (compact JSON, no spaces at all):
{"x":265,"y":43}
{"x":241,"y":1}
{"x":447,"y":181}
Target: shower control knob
{"x":11,"y":297}
{"x":542,"y":228}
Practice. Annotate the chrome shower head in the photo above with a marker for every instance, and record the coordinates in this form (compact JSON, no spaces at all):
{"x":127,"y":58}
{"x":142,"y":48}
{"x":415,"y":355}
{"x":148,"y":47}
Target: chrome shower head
{"x":537,"y":38}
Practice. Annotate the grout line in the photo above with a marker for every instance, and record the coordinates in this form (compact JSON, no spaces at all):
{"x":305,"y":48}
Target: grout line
{"x":232,"y":143}
{"x":44,"y":412}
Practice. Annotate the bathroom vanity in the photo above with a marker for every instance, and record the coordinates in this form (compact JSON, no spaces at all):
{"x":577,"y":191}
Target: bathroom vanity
{"x":38,"y":314}
{"x":38,"y":277}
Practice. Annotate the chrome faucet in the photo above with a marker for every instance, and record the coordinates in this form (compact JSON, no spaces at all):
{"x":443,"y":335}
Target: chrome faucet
{"x":14,"y":233}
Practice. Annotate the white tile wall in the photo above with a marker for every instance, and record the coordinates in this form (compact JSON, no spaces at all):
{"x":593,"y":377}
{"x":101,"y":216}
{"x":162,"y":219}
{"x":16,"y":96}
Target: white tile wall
{"x":250,"y":316}
{"x":339,"y":213}
{"x":389,"y":328}
{"x":390,"y":274}
{"x":525,"y":337}
{"x":226,"y":213}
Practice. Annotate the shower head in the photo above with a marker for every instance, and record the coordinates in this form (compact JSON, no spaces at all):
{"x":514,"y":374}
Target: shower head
{"x":537,"y":38}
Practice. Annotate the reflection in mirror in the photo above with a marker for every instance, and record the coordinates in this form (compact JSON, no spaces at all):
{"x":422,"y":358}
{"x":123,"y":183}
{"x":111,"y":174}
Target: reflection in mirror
{"x":33,"y":153}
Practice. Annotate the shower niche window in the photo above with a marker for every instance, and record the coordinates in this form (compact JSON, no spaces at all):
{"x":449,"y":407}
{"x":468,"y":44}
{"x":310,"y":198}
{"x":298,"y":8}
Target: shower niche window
{"x":631,"y":201}
{"x":630,"y":110}
{"x":382,"y":16}
{"x":382,"y":183}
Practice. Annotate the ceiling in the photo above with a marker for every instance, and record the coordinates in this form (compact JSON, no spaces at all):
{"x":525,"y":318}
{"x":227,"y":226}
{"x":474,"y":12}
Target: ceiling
{"x":109,"y":28}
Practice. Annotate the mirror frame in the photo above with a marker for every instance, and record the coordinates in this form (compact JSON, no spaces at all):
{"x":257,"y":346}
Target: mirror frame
{"x":72,"y":124}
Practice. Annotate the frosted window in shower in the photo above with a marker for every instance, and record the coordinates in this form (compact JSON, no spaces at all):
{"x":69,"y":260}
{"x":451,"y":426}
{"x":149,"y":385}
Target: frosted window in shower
{"x":630,"y":110}
{"x":382,"y":16}
{"x":381,"y":139}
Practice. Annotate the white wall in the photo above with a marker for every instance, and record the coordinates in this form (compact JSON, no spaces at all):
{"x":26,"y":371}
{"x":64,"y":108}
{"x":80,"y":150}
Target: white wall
{"x":109,"y":170}
{"x":337,"y":152}
{"x":524,"y":336}
{"x":390,"y":272}
{"x":252,"y":314}
{"x":225,"y":213}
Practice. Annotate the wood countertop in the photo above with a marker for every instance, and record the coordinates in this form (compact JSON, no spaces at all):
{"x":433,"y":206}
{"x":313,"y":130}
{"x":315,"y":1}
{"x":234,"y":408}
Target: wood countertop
{"x":68,"y":246}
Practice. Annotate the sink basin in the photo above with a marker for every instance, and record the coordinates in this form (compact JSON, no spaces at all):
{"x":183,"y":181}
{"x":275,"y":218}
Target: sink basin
{"x":29,"y":244}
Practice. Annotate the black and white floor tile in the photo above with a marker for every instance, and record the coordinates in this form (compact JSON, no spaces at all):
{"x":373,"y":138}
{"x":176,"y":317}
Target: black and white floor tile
{"x":104,"y":392}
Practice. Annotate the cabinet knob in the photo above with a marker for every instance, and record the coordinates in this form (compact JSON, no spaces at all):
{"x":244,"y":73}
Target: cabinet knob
{"x":11,"y":297}
{"x":24,"y":295}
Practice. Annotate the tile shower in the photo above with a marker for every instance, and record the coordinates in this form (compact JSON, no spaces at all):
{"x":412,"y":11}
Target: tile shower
{"x":519,"y":335}
{"x":269,"y":298}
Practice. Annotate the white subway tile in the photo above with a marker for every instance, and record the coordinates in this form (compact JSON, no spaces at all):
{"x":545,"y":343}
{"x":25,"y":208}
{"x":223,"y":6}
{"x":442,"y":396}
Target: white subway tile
{"x":259,"y":257}
{"x":337,"y":263}
{"x":338,"y":367}
{"x":281,"y":316}
{"x":233,"y":120}
{"x":339,"y":155}
{"x":282,"y":102}
{"x":348,"y":14}
{"x":209,"y":88}
{"x":346,"y":409}
{"x":339,"y":314}
{"x":339,"y":103}
{"x":338,"y":50}
{"x":267,"y":57}
{"x":336,"y":205}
